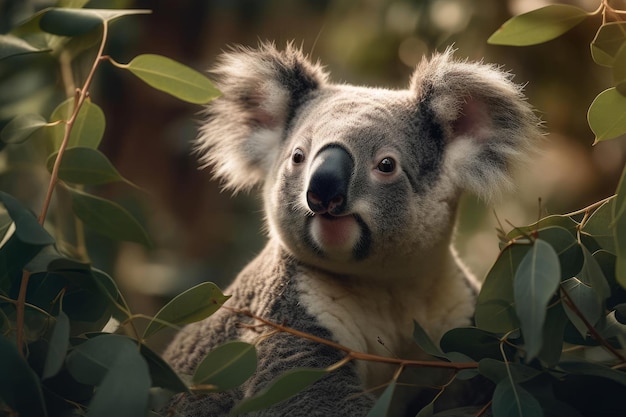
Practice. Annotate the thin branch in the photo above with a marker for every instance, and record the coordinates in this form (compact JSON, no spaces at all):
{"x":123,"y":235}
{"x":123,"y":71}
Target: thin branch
{"x":78,"y":102}
{"x":592,"y":331}
{"x":355,"y":355}
{"x":589,"y":207}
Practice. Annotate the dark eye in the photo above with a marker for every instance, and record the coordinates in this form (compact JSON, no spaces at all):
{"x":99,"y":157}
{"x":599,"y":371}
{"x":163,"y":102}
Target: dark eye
{"x":297,"y":156}
{"x":386,"y":165}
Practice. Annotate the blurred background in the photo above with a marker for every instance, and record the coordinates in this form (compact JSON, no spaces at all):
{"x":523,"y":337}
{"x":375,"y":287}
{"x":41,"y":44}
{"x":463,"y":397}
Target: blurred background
{"x":201,"y":234}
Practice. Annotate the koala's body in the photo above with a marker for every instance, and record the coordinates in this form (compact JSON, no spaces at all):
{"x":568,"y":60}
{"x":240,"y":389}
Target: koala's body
{"x":360,"y":190}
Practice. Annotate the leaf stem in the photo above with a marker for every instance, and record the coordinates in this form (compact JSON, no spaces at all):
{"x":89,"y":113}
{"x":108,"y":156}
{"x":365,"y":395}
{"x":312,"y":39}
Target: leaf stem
{"x":80,"y":98}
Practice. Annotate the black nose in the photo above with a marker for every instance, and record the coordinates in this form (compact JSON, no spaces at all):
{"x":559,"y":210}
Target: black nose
{"x":330,"y":178}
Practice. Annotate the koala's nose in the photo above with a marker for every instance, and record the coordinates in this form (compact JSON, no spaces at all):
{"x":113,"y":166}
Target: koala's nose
{"x":330,"y":178}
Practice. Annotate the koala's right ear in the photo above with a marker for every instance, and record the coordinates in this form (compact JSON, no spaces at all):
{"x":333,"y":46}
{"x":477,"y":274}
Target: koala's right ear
{"x":261,"y":91}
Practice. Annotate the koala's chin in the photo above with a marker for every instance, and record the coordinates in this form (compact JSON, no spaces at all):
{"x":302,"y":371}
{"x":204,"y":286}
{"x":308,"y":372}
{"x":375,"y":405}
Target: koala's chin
{"x":360,"y":190}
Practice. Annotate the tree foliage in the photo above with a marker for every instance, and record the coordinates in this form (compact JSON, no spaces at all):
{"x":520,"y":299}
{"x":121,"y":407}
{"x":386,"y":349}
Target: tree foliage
{"x":550,"y":320}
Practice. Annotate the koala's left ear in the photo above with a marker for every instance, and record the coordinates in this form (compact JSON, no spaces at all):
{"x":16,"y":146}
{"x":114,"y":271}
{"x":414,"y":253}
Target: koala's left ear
{"x":244,"y":128}
{"x":485,"y":120}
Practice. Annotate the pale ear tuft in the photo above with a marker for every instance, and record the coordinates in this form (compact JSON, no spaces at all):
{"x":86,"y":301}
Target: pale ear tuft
{"x":243,"y":129}
{"x":484,"y":117}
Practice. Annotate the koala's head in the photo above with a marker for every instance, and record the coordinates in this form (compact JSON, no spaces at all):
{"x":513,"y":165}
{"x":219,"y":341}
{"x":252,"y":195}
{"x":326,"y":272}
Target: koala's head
{"x":357,"y":178}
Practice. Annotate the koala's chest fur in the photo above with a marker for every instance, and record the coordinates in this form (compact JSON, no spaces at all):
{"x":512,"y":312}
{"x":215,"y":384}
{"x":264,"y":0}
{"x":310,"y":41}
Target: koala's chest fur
{"x":377,"y":318}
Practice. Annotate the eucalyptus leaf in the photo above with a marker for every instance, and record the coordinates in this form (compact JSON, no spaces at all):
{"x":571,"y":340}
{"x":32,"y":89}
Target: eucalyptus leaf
{"x":227,"y":366}
{"x":22,"y":127}
{"x":57,"y":349}
{"x":285,"y":386}
{"x":108,"y":218}
{"x":619,"y":70}
{"x":381,"y":407}
{"x":19,"y":386}
{"x":425,"y":342}
{"x":74,"y":22}
{"x":607,"y":115}
{"x":124,"y":390}
{"x":27,"y":228}
{"x":161,"y":373}
{"x":511,"y":400}
{"x":564,"y":222}
{"x":536,"y":281}
{"x":85,"y":166}
{"x":497,"y":370}
{"x":88,"y":128}
{"x":598,"y":226}
{"x":472,"y":342}
{"x":195,"y":304}
{"x":538,"y":26}
{"x":553,"y":333}
{"x":619,"y":231}
{"x":11,"y":45}
{"x":606,"y":44}
{"x":495,"y":307}
{"x":173,"y":78}
{"x":589,"y":368}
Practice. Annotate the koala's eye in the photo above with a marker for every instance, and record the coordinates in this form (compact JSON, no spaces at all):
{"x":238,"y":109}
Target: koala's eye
{"x":297,"y":157}
{"x":387,"y":165}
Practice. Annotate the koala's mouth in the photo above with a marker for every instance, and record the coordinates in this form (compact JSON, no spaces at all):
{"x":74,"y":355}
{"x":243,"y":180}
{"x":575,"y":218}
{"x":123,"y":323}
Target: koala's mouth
{"x":340,"y":235}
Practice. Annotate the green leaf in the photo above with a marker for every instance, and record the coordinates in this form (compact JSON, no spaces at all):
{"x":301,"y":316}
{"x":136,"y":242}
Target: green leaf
{"x":619,"y":230}
{"x":195,"y":304}
{"x":57,"y":349}
{"x":496,"y":371}
{"x":536,"y":281}
{"x":619,"y":70}
{"x":227,"y":366}
{"x":22,"y":127}
{"x":88,"y":128}
{"x":86,"y":166}
{"x":161,"y":373}
{"x":553,"y":333}
{"x":555,"y":220}
{"x":607,"y":115}
{"x":592,"y":275}
{"x":589,"y":368}
{"x":538,"y":26}
{"x":511,"y":400}
{"x":381,"y":407}
{"x":567,"y":248}
{"x":471,"y":341}
{"x":495,"y":307}
{"x":12,"y":46}
{"x":108,"y":218}
{"x":74,"y":22}
{"x":173,"y":78}
{"x":587,"y":302}
{"x":19,"y":386}
{"x":425,"y":342}
{"x":598,"y":226}
{"x":282,"y":388}
{"x":607,"y":43}
{"x":27,"y":228}
{"x":124,"y":390}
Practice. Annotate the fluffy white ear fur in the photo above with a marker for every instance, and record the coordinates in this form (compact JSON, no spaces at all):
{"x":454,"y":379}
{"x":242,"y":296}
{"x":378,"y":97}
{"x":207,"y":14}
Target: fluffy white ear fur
{"x":487,"y":123}
{"x":243,"y":129}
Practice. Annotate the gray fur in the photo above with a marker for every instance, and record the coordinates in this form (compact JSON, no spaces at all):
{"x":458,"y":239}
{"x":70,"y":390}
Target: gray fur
{"x":364,"y":276}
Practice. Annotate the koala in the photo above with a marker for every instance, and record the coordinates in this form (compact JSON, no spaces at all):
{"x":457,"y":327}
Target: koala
{"x":360,"y":188}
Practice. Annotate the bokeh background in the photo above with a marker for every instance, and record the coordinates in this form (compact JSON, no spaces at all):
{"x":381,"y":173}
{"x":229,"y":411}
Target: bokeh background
{"x":202,"y":234}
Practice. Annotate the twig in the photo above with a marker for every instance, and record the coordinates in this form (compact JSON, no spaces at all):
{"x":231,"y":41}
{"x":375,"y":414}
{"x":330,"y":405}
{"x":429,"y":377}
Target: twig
{"x":592,"y":331}
{"x":355,"y":355}
{"x":80,"y":98}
